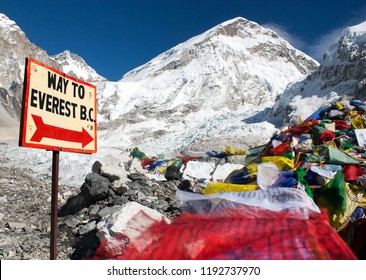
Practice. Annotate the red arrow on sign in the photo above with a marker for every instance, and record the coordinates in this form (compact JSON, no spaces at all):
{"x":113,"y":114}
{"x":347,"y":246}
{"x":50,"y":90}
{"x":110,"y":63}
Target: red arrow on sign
{"x":53,"y":132}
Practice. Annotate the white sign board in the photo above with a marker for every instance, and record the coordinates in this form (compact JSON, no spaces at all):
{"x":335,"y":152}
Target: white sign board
{"x":59,"y":111}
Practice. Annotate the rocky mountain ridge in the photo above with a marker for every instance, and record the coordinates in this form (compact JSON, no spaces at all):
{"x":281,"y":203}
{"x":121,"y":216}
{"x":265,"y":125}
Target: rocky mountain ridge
{"x":15,"y":47}
{"x":341,"y":74}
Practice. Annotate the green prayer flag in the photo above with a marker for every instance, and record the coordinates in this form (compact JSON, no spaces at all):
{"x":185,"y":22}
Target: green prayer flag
{"x":314,"y":158}
{"x":336,"y":156}
{"x":136,"y":153}
{"x":334,"y":192}
{"x":300,"y":174}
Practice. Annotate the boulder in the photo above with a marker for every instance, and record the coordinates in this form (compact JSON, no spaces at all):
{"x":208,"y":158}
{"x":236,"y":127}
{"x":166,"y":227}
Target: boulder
{"x":129,"y":220}
{"x":119,"y":187}
{"x":95,"y":187}
{"x":112,"y":172}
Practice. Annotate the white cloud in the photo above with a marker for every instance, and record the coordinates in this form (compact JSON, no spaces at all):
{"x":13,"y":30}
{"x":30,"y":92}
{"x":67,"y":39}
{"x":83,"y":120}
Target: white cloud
{"x":316,"y":49}
{"x":282,"y":31}
{"x":320,"y":46}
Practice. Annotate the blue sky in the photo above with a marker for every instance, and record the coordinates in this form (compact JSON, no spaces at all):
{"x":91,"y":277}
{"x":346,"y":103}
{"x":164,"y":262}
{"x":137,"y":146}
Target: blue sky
{"x":116,"y":36}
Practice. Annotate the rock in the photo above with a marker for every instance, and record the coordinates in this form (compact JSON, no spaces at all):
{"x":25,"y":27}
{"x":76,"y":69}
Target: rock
{"x":111,"y":193}
{"x":73,"y":205}
{"x":11,"y":254}
{"x":130,"y":220}
{"x":141,"y":196}
{"x":28,"y":229}
{"x":108,"y":210}
{"x":94,"y":210}
{"x":135,"y":185}
{"x":111,"y":177}
{"x":3,"y":200}
{"x":26,"y":257}
{"x":127,"y":164}
{"x":95,"y":187}
{"x":67,"y":194}
{"x":97,"y":167}
{"x":84,"y":229}
{"x":72,"y":222}
{"x":173,"y":173}
{"x":16,"y":226}
{"x":85,"y":246}
{"x":185,"y":185}
{"x":137,"y":176}
{"x":119,"y":187}
{"x":111,"y":172}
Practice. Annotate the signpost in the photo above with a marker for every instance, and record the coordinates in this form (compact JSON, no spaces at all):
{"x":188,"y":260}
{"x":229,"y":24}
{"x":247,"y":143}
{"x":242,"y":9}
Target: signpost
{"x":59,"y":114}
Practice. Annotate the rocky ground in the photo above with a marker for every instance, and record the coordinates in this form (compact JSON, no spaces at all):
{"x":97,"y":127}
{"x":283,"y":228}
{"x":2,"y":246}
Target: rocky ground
{"x":25,"y":208}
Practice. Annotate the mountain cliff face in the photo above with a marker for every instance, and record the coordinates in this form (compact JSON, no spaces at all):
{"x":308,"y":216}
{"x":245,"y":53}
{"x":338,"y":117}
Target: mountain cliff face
{"x":342,"y":73}
{"x":15,"y":47}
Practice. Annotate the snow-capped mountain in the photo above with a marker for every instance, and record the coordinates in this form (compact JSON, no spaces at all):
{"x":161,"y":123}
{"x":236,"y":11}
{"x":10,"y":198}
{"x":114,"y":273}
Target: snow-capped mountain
{"x":342,"y":73}
{"x":75,"y":66}
{"x":219,"y":77}
{"x":14,"y":48}
{"x":214,"y":90}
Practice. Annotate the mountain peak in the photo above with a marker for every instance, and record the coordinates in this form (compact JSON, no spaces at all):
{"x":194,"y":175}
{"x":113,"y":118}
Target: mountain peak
{"x":357,"y":30}
{"x":5,"y":22}
{"x":226,"y":71}
{"x":75,"y":66}
{"x":240,"y":26}
{"x":238,"y":21}
{"x":236,"y":37}
{"x":349,"y":46}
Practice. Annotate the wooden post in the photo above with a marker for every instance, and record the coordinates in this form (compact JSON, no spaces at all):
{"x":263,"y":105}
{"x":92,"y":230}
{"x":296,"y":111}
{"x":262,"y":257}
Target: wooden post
{"x":54,"y":204}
